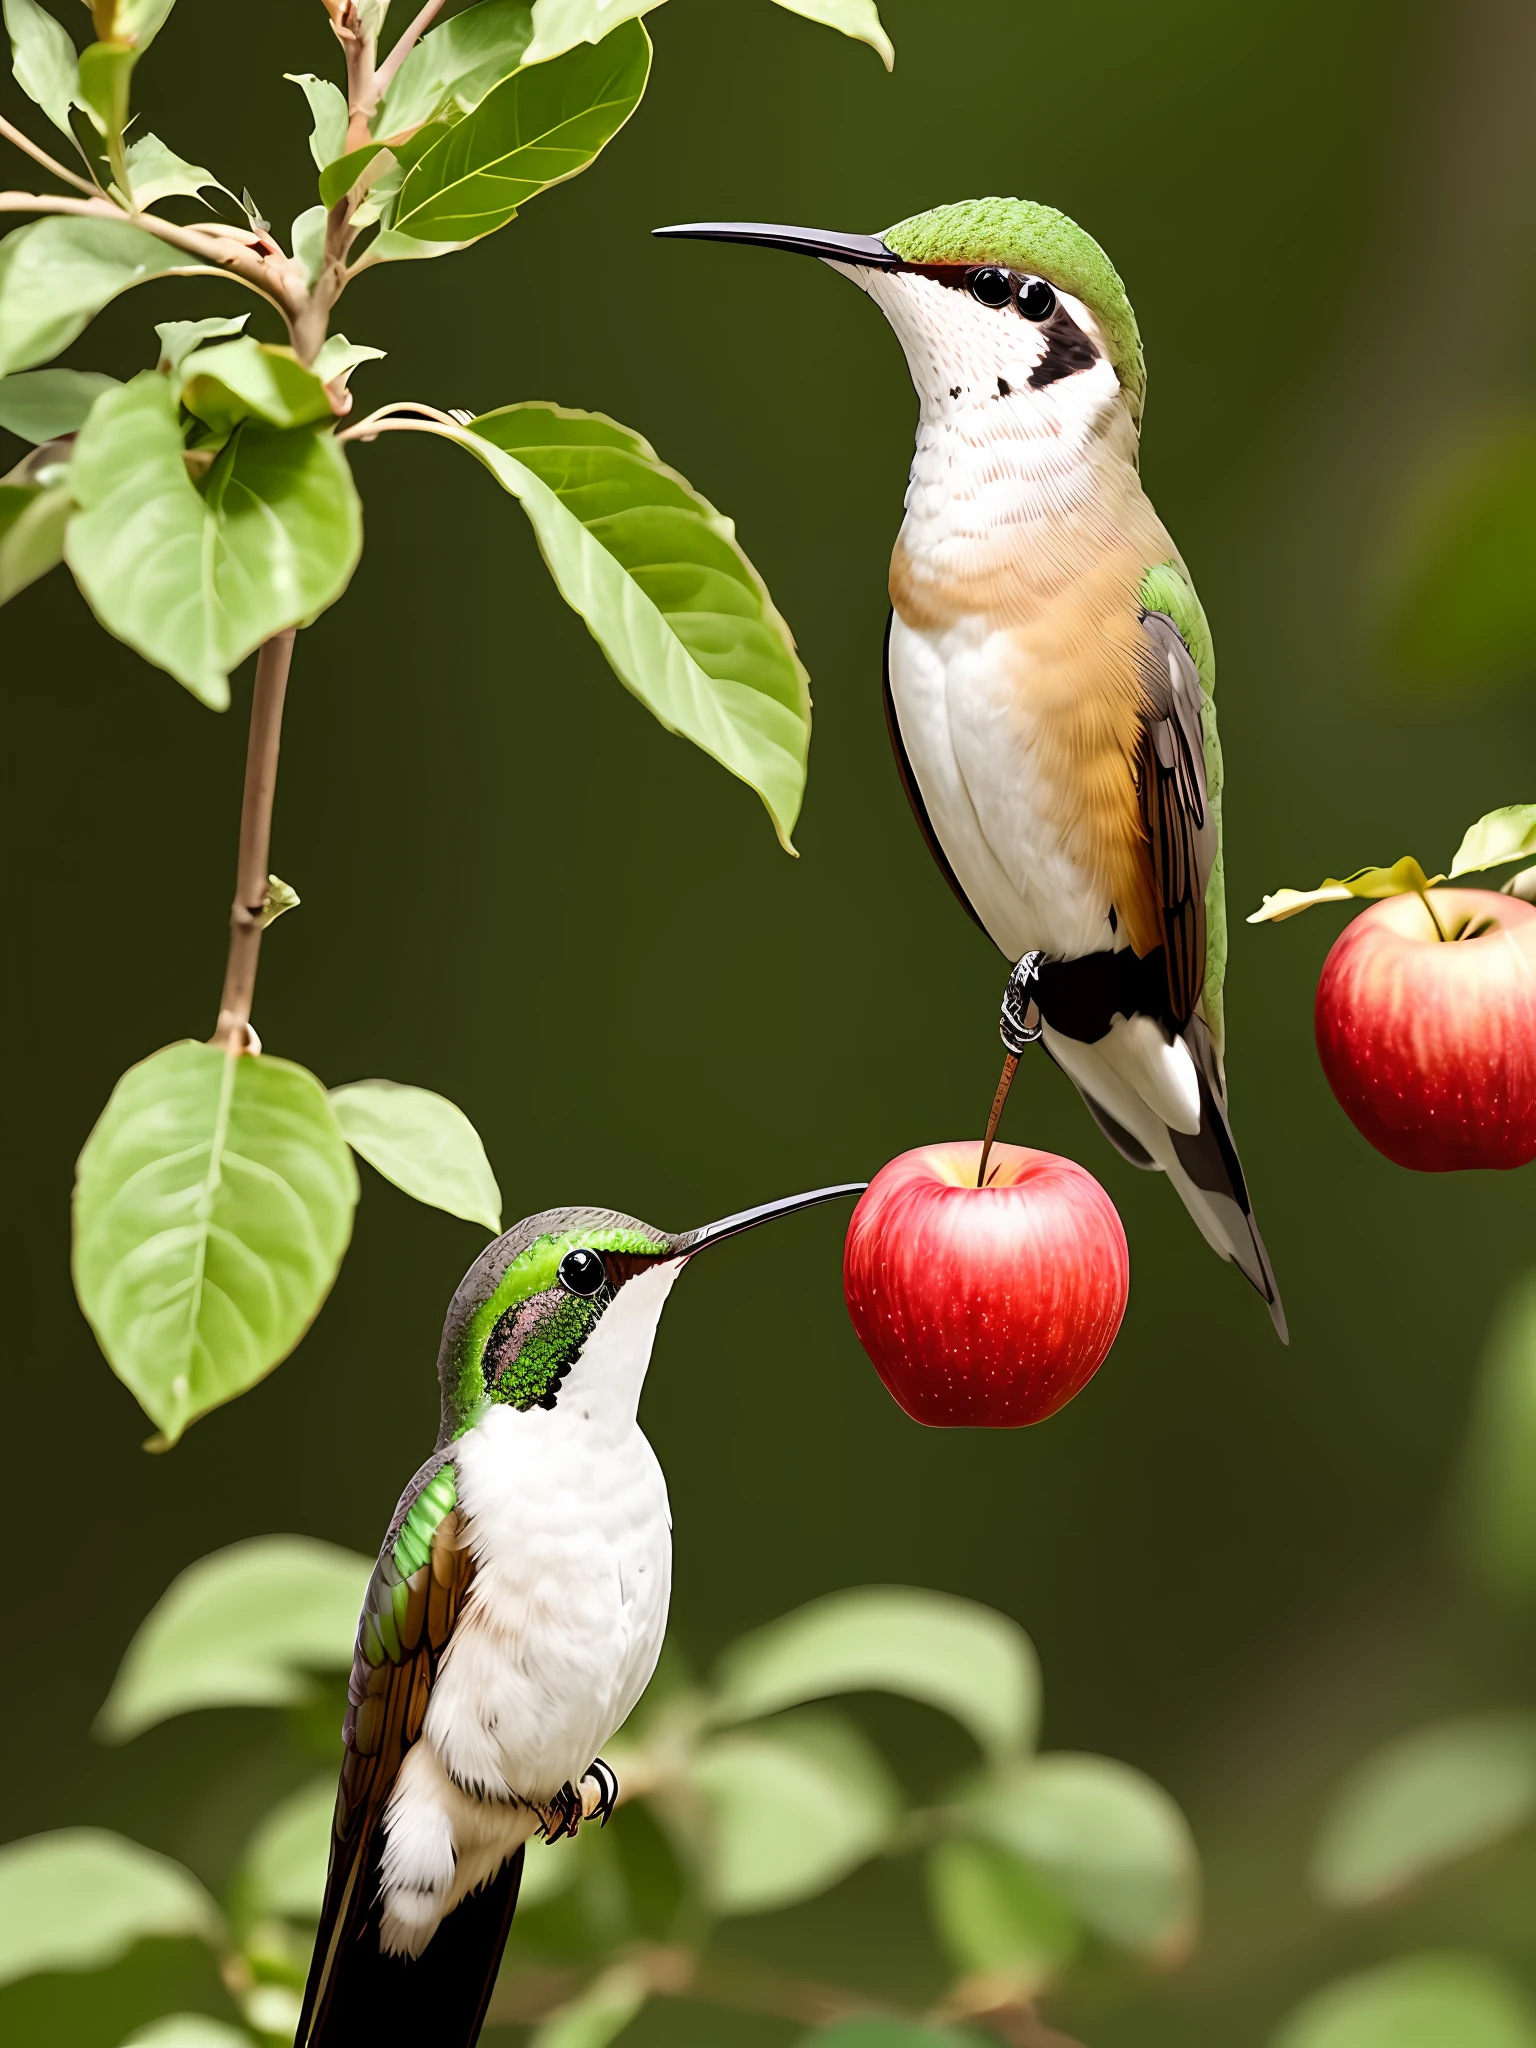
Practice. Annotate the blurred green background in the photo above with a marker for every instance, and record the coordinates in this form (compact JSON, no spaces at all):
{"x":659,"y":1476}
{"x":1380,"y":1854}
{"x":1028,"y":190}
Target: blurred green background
{"x":520,"y":891}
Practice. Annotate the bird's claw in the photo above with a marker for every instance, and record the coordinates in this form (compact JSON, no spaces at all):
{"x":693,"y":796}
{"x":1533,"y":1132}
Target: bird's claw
{"x":563,"y":1814}
{"x":599,"y":1803}
{"x":1020,"y":1024}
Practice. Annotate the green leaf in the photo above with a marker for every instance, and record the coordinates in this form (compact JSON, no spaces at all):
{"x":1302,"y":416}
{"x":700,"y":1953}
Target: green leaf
{"x":106,"y":70}
{"x":424,"y":1144}
{"x":79,"y":1899}
{"x":966,"y":1660}
{"x":280,"y":899}
{"x":338,"y":178}
{"x":996,"y":1917}
{"x":247,"y":379}
{"x":453,"y":67}
{"x":1461,"y":600}
{"x":32,"y":524}
{"x":40,"y":405}
{"x":283,"y":1869}
{"x":338,"y":357}
{"x":132,"y":21}
{"x":156,"y":172}
{"x":196,"y":577}
{"x":542,"y":125}
{"x":388,"y":247}
{"x":43,"y":59}
{"x":558,"y":25}
{"x":57,"y":274}
{"x":857,"y":18}
{"x":1105,"y":1839}
{"x":1495,"y":1510}
{"x":243,"y":1627}
{"x":1402,"y":877}
{"x":1431,"y":2001}
{"x":213,"y":1202}
{"x":187,"y":2030}
{"x":656,"y":572}
{"x":328,"y":111}
{"x":1509,"y":834}
{"x":599,"y":2014}
{"x":178,"y":338}
{"x":793,"y":1807}
{"x":307,"y":240}
{"x":1425,"y":1801}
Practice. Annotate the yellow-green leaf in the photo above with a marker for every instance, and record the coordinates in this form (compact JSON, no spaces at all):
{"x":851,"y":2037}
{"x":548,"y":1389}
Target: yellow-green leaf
{"x":1402,"y":878}
{"x":246,"y":1626}
{"x":542,"y":125}
{"x":422,"y":1142}
{"x":1507,"y":834}
{"x":81,"y":1898}
{"x":664,"y":587}
{"x":857,"y":18}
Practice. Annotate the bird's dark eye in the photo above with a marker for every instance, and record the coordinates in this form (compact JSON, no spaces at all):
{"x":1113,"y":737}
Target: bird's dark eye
{"x":1036,"y":299}
{"x":991,"y":287}
{"x":582,"y":1272}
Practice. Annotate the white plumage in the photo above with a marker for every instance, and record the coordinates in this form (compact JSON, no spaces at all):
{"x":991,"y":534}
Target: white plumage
{"x":565,"y":1510}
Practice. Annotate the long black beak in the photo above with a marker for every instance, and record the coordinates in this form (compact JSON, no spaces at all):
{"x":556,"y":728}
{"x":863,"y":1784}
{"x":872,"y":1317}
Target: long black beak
{"x":691,"y":1241}
{"x":866,"y":250}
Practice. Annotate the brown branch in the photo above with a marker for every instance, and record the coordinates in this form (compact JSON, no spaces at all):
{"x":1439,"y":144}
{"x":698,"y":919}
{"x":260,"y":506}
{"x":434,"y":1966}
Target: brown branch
{"x":217,"y":252}
{"x":233,"y":1030}
{"x":384,"y":76}
{"x":360,"y":51}
{"x":41,"y":156}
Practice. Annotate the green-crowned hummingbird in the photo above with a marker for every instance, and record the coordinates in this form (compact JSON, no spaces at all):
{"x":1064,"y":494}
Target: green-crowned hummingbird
{"x":1048,"y":677}
{"x":513,"y":1620}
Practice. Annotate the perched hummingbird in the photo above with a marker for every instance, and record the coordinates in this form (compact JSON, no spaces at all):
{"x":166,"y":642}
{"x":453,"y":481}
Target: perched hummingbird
{"x":1048,"y":677}
{"x":513,"y":1619}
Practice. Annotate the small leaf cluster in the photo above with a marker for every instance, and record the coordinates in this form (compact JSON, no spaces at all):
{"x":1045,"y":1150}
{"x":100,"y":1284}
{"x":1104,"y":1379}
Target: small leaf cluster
{"x":740,"y":1796}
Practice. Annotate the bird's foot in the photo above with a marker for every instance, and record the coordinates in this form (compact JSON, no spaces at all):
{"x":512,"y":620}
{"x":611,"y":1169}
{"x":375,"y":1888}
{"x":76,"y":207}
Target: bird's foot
{"x":1020,"y":1024}
{"x":599,"y":1792}
{"x":562,"y":1816}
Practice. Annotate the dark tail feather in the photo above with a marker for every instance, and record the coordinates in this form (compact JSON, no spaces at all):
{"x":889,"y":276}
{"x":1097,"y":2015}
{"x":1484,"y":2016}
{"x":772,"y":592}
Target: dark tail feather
{"x":439,"y":1997}
{"x":1210,"y":1160}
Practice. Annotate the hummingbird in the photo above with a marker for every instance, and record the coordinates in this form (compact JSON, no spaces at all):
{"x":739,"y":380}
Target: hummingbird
{"x":1048,"y":678}
{"x":512,"y":1621}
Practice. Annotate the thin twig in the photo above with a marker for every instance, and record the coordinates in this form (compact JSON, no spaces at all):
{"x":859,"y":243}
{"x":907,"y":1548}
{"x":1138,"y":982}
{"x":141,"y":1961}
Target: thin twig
{"x":384,"y":76}
{"x":384,"y":422}
{"x":233,"y":1030}
{"x":41,"y":156}
{"x":217,"y":252}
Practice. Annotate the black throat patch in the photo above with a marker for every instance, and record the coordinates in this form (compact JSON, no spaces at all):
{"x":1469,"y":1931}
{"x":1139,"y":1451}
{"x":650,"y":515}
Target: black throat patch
{"x":1067,"y":350}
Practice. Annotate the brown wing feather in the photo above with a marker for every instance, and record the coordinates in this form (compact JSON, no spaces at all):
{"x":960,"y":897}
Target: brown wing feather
{"x":406,"y":1626}
{"x":1170,"y":786}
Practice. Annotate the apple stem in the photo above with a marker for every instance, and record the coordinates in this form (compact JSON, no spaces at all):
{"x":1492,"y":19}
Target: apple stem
{"x":1440,"y":934}
{"x":1010,"y":1068}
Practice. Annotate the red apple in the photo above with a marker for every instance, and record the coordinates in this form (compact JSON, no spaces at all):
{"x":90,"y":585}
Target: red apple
{"x":1430,"y":1044}
{"x":985,"y":1306}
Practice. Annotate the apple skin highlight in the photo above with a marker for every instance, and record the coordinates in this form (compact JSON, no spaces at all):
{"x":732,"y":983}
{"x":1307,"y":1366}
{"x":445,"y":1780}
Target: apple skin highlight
{"x":985,"y":1307}
{"x":1430,"y":1045}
